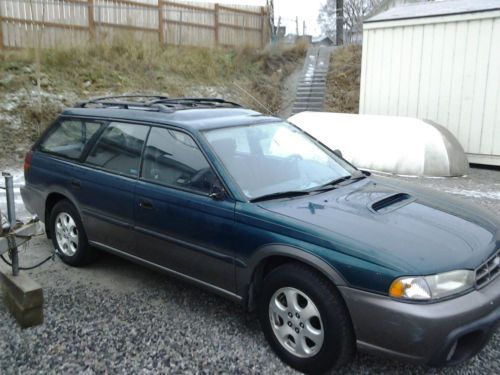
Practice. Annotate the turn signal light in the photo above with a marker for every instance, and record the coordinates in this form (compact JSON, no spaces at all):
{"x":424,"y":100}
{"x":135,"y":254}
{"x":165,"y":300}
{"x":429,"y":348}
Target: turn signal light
{"x":397,"y":289}
{"x":415,"y":288}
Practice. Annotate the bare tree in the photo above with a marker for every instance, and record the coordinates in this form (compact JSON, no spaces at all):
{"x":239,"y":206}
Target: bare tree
{"x":356,"y":11}
{"x":345,"y":15}
{"x":339,"y":4}
{"x":327,"y":18}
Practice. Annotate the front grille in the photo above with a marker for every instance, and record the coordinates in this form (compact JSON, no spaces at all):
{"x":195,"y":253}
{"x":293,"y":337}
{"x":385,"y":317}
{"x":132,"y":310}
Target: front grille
{"x":488,"y":271}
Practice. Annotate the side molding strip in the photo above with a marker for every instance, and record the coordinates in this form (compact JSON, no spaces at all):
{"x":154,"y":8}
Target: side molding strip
{"x":216,"y":289}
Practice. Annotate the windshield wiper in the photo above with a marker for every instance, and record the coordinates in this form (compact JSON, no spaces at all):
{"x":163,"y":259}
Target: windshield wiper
{"x":282,"y":194}
{"x":297,"y":193}
{"x":333,"y":183}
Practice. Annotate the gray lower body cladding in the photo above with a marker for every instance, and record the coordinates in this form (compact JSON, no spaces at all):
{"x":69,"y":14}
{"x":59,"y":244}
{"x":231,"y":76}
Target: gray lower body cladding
{"x":440,"y":333}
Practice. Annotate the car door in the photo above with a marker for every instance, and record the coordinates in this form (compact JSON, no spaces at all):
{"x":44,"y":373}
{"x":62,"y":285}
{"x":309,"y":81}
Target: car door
{"x":104,"y":185}
{"x":178,"y":225}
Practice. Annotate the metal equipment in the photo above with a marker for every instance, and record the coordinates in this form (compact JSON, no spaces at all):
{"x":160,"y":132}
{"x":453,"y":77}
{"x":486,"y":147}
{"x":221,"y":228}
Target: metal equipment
{"x":13,"y":233}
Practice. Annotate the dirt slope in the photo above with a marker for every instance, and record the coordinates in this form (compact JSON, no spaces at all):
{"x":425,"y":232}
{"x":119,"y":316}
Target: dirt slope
{"x":342,"y":85}
{"x":31,"y":95}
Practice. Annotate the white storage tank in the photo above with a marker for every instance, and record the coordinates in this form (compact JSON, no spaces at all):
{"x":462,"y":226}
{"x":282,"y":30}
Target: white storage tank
{"x":438,"y":61}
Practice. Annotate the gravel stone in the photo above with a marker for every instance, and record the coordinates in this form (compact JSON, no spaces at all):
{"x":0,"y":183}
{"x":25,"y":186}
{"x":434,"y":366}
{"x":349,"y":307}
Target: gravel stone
{"x":116,"y":317}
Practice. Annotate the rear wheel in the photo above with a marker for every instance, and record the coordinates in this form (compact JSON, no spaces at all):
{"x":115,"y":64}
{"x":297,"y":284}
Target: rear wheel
{"x":68,"y":235}
{"x":305,"y":320}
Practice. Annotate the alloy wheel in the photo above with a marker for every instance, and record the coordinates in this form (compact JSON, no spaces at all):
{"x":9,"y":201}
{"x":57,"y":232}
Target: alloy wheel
{"x":296,"y":322}
{"x":66,"y":233}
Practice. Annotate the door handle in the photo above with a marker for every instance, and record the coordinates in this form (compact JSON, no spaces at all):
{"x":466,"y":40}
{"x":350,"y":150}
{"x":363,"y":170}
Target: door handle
{"x":76,"y":183}
{"x":147,"y":205}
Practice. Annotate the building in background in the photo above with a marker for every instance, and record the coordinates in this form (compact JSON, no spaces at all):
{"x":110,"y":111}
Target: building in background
{"x":438,"y":61}
{"x":323,"y":41}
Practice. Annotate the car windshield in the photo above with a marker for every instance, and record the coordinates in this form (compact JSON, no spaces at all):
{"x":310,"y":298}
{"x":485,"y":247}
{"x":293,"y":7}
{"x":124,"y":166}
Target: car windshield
{"x":276,"y":159}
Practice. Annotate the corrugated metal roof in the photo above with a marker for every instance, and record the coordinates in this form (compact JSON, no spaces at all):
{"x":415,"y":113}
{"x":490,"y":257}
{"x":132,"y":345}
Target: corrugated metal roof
{"x":434,"y":9}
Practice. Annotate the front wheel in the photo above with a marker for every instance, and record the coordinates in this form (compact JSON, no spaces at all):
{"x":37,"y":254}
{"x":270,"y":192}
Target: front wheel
{"x":305,"y":320}
{"x":68,"y":235}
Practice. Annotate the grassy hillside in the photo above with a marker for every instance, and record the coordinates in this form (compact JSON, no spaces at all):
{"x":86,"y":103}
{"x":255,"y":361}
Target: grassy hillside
{"x":31,"y":93}
{"x":342,"y":86}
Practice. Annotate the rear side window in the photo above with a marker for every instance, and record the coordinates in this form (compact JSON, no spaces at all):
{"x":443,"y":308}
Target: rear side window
{"x":119,"y":148}
{"x":68,"y":138}
{"x":173,"y":158}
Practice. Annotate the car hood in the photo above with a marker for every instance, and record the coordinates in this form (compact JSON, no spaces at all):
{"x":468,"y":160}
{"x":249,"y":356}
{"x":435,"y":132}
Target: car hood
{"x":397,"y":225}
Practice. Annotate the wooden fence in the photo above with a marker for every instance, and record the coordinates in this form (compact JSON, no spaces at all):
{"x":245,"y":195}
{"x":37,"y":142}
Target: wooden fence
{"x":51,"y":23}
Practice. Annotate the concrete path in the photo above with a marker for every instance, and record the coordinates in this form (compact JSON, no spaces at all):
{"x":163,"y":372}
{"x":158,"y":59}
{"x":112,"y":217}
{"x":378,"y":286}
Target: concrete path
{"x":311,"y":88}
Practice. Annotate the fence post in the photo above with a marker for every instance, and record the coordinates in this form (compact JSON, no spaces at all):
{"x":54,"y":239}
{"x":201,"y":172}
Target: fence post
{"x":180,"y":28}
{"x":263,"y":23}
{"x":90,"y":7}
{"x":216,"y":23}
{"x":1,"y":33}
{"x":161,"y":25}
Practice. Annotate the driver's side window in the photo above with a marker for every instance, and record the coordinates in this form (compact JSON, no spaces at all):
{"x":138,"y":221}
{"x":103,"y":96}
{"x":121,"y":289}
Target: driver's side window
{"x":172,"y":158}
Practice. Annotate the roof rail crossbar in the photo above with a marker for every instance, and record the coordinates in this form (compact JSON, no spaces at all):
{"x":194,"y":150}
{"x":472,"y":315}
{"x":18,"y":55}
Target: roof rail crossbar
{"x":206,"y":101}
{"x":161,"y":107}
{"x":130,"y":105}
{"x":156,"y":102}
{"x":109,"y":99}
{"x":145,"y":96}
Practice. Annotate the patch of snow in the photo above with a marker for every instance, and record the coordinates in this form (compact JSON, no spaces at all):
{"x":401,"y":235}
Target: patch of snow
{"x":475,"y":193}
{"x":13,"y":122}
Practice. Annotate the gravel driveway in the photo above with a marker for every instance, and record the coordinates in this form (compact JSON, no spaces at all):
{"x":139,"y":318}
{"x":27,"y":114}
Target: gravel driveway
{"x":118,"y":317}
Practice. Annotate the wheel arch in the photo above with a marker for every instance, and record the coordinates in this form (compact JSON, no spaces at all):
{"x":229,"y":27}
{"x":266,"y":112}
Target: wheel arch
{"x":52,"y":199}
{"x":269,"y":257}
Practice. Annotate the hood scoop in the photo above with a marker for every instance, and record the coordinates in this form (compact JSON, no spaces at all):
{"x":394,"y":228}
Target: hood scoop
{"x":391,"y":203}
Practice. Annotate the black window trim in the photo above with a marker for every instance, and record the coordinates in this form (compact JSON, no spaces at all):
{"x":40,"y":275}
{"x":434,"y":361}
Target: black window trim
{"x":101,"y":131}
{"x":177,"y":187}
{"x":55,"y":125}
{"x":106,"y":121}
{"x":92,"y":142}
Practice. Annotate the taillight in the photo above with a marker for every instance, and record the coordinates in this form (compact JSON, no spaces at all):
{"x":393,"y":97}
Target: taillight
{"x":27,"y":161}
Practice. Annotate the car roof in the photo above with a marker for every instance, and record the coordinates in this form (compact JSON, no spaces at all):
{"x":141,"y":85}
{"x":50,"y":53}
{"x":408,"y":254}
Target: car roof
{"x":189,"y":119}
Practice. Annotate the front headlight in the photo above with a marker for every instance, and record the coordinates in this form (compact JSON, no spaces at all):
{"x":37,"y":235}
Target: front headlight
{"x":423,"y":288}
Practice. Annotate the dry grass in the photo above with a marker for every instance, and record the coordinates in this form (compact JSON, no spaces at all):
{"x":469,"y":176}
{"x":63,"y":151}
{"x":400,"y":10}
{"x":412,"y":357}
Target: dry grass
{"x":342,"y":87}
{"x":125,"y":65}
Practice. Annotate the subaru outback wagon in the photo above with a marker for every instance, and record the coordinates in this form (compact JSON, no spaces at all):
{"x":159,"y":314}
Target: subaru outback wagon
{"x":251,"y":207}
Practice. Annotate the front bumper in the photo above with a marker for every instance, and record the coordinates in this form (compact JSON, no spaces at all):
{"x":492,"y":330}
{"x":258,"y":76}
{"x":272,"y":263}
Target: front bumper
{"x":440,"y":333}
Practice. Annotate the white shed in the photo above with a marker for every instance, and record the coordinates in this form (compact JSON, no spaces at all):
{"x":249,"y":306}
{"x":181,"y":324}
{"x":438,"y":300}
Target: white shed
{"x":438,"y":61}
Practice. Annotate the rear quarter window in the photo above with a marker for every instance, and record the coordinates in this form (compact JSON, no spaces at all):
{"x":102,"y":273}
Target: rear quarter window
{"x":68,"y":138}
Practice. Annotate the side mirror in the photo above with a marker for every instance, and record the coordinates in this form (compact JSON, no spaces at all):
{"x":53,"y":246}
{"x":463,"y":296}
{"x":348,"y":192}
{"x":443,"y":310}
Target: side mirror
{"x":337,"y":152}
{"x":218,"y":193}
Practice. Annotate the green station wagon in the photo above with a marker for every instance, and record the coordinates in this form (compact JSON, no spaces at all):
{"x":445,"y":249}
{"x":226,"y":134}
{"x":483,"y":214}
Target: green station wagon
{"x":251,"y":207}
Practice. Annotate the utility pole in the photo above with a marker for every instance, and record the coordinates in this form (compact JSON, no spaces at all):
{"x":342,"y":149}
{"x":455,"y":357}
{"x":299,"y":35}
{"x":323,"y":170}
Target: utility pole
{"x":278,"y":36}
{"x":297,"y":25}
{"x":304,"y":28}
{"x":339,"y":29}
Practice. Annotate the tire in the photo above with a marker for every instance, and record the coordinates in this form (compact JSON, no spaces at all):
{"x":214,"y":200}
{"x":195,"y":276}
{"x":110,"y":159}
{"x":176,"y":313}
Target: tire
{"x":68,"y":235}
{"x":324,"y":330}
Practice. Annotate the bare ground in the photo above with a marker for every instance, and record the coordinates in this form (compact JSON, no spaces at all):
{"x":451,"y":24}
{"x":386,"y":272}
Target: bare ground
{"x":118,"y":317}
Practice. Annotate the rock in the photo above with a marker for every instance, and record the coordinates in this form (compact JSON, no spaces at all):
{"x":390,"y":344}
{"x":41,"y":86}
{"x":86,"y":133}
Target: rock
{"x":87,"y":84}
{"x":27,"y":70}
{"x":4,"y":81}
{"x":44,"y":82}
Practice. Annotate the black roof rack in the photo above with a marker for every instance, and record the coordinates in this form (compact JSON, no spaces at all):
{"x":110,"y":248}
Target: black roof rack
{"x":155,"y":103}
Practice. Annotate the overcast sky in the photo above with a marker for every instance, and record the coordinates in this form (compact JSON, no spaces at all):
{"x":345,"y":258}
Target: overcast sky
{"x":306,"y":10}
